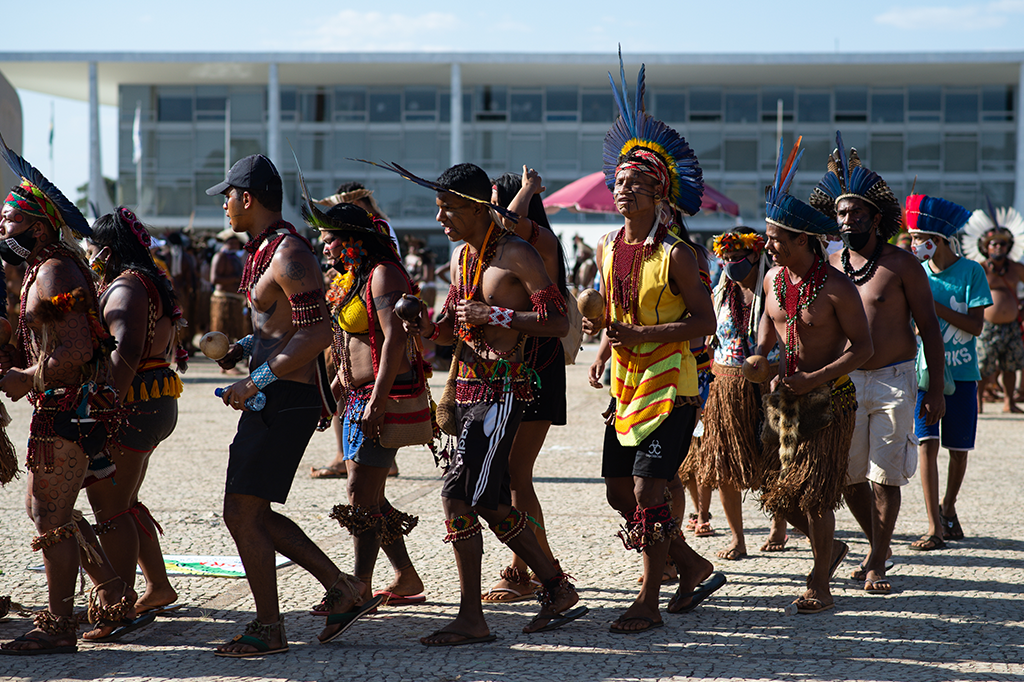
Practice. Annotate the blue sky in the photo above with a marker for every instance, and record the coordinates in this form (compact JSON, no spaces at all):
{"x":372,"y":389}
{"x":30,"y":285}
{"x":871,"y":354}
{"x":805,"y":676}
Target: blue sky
{"x":594,"y":26}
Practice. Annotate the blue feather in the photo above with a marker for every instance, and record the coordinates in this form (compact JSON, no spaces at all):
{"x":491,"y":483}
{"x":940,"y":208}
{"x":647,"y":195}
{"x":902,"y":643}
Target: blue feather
{"x":778,"y":166}
{"x":844,"y":168}
{"x":992,"y":211}
{"x":641,"y":87}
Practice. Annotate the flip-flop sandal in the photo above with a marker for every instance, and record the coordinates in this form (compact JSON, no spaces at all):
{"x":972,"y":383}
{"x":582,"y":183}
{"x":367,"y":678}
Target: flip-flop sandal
{"x":651,"y":625}
{"x":731,"y":554}
{"x":951,"y":529}
{"x":770,"y":546}
{"x":45,"y":647}
{"x":835,"y":564}
{"x":805,"y":605}
{"x":466,"y":638}
{"x":127,"y":625}
{"x":559,"y":620}
{"x":488,"y":598}
{"x":704,"y":530}
{"x":927,"y":543}
{"x":703,"y":591}
{"x":159,"y":610}
{"x":262,"y":648}
{"x":345,"y":620}
{"x":328,"y":472}
{"x":392,"y":599}
{"x":873,"y":586}
{"x":861,"y":575}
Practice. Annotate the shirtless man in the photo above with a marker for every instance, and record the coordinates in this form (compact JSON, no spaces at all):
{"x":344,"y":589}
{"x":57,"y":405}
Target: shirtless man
{"x":55,"y":358}
{"x":284,"y":288}
{"x":815,"y":314}
{"x":1000,"y":346}
{"x":501,"y":294}
{"x":894,"y":291}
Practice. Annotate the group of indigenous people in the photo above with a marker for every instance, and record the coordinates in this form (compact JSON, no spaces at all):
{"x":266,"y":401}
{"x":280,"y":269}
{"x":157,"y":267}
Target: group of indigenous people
{"x":775,"y":369}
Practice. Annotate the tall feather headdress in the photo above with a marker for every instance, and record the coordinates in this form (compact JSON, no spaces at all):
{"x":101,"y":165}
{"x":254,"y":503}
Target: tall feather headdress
{"x":847,"y":178}
{"x":983,"y":225}
{"x":66,"y":213}
{"x":430,"y":184}
{"x":932,"y":215}
{"x":635,"y":128}
{"x":318,"y":220}
{"x":786,"y":211}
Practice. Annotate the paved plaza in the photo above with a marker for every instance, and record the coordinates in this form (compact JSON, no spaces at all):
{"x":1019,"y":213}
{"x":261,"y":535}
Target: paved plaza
{"x":955,"y":614}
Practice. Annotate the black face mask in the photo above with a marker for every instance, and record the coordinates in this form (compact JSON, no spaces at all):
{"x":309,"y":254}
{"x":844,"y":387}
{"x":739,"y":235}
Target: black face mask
{"x":738,"y":270}
{"x":857,"y":240}
{"x":10,"y":247}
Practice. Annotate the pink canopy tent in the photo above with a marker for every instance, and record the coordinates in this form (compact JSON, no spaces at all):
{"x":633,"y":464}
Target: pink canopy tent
{"x":589,"y":194}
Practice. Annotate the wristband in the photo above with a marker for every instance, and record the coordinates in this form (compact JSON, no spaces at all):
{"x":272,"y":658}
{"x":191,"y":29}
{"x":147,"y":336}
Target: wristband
{"x":247,"y":343}
{"x":263,"y":376}
{"x":436,"y":333}
{"x":501,"y":317}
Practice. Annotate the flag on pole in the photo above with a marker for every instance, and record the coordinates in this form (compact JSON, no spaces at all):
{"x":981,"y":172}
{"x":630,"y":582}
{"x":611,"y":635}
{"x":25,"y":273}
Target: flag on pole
{"x":137,"y":135}
{"x":51,"y":130}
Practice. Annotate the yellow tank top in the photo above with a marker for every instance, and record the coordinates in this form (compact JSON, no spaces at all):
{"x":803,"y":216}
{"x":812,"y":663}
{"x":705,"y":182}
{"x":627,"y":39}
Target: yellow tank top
{"x":647,"y":378}
{"x":352,"y":317}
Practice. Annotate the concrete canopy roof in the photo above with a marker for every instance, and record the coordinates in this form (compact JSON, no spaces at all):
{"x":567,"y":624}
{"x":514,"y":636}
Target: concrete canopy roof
{"x":65,"y":74}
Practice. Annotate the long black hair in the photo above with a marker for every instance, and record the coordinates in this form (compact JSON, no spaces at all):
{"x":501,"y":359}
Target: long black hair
{"x":377,"y":250}
{"x":508,"y":186}
{"x":128,"y":241}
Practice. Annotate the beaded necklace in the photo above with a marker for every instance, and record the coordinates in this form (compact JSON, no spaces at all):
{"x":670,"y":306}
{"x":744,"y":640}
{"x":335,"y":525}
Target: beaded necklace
{"x":627,"y":261}
{"x":739,"y":311}
{"x":261,"y":251}
{"x":864,"y":274}
{"x":792,"y":302}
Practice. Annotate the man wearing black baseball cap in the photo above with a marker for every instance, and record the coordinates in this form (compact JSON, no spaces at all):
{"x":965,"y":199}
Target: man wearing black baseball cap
{"x":281,"y":281}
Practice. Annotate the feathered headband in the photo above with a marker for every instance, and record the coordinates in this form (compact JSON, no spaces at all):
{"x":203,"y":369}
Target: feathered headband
{"x":983,"y":226}
{"x":737,"y":241}
{"x":673,"y":162}
{"x":785,"y":210}
{"x":412,"y":177}
{"x":847,"y":178}
{"x":932,"y":215}
{"x":317,"y":219}
{"x":40,"y":197}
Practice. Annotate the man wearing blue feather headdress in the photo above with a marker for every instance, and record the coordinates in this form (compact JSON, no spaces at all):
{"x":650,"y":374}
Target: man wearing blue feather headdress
{"x":895,"y":293}
{"x":655,"y":306}
{"x":816,"y":316}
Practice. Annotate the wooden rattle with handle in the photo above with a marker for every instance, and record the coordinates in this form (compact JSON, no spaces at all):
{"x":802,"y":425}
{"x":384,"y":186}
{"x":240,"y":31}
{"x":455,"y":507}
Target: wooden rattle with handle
{"x":591,"y":304}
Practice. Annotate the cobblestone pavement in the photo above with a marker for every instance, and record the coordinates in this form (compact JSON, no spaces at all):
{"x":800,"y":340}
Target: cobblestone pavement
{"x":955,"y":614}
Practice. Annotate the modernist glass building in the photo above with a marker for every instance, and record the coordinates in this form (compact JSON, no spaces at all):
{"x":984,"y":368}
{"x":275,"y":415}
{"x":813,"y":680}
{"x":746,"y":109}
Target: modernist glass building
{"x":949,"y":122}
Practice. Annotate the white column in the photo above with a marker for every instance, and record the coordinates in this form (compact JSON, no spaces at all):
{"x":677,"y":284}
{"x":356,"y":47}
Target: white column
{"x":1018,"y":190}
{"x":96,"y":188}
{"x":456,"y":122}
{"x":273,"y":115}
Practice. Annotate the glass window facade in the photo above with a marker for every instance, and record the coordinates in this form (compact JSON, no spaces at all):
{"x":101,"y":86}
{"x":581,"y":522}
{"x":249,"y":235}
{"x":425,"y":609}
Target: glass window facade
{"x":960,"y":140}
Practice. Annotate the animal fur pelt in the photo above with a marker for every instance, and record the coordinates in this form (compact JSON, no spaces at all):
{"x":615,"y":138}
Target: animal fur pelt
{"x":790,"y":419}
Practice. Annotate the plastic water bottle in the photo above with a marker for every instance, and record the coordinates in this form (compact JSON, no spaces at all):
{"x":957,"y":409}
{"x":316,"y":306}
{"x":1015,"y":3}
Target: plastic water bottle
{"x":253,"y":404}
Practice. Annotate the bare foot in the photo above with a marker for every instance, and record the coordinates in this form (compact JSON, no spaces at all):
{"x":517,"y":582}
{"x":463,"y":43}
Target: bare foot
{"x":406,"y":583}
{"x":636,"y":618}
{"x":459,"y":629}
{"x":154,"y":598}
{"x":1011,"y":407}
{"x":693,"y":570}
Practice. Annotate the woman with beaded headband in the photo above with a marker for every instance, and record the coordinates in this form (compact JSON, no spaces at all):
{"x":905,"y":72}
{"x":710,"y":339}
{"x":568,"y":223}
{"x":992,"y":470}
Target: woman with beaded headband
{"x":135,"y":289}
{"x":730,"y":456}
{"x":655,"y":305}
{"x":375,"y":363}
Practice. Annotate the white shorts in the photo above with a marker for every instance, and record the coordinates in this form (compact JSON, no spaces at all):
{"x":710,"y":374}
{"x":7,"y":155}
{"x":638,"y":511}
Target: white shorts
{"x":884,"y":447}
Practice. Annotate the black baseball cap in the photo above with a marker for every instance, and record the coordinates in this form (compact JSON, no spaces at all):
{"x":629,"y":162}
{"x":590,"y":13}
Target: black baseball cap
{"x":252,"y":172}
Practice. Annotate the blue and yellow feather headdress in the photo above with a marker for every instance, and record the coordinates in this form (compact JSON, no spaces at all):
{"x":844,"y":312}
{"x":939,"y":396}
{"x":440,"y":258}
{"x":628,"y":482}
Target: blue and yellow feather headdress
{"x":786,"y":211}
{"x":636,"y":130}
{"x":847,"y":178}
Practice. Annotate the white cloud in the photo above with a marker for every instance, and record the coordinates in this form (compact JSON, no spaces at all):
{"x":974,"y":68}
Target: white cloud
{"x":967,"y":17}
{"x":356,"y":31}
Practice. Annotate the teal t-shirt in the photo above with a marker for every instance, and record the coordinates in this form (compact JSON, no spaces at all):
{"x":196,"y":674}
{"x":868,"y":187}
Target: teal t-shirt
{"x":961,"y":286}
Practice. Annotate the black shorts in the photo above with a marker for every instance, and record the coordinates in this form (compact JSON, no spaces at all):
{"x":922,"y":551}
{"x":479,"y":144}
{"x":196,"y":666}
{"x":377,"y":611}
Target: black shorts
{"x":269,"y":444}
{"x":149,"y":424}
{"x":478,"y":473}
{"x":547,"y":357}
{"x":659,"y":455}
